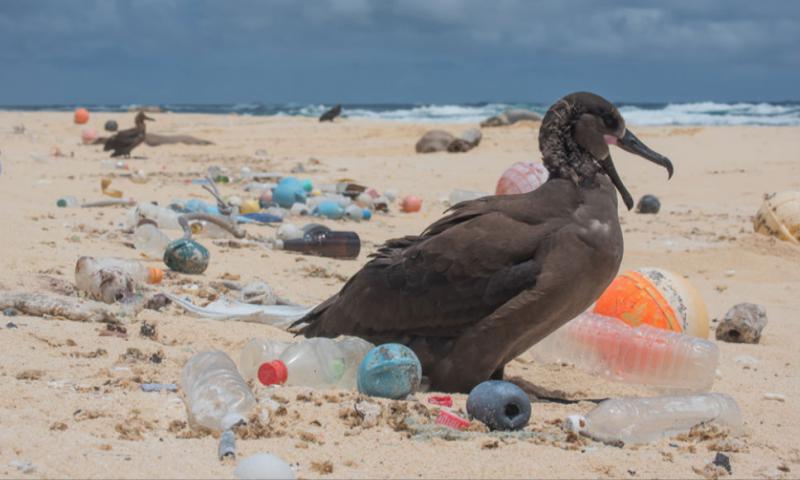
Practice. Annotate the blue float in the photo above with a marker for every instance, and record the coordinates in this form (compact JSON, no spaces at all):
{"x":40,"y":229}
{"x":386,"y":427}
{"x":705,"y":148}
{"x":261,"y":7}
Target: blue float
{"x":500,"y":405}
{"x":286,"y":195}
{"x":389,"y":371}
{"x":186,"y":256}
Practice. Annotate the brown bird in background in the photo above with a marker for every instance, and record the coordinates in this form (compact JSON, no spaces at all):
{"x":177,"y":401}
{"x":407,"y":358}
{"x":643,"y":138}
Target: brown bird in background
{"x":486,"y":282}
{"x":126,"y":140}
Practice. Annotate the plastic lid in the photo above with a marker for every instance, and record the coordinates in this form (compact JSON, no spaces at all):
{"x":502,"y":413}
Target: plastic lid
{"x":155,"y":275}
{"x":273,"y":373}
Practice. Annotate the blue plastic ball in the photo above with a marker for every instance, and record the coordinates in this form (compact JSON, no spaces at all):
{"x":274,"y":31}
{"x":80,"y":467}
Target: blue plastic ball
{"x":287,"y":195}
{"x":500,"y":405}
{"x":307,"y":185}
{"x":367,"y":214}
{"x":389,"y":371}
{"x":330,"y":209}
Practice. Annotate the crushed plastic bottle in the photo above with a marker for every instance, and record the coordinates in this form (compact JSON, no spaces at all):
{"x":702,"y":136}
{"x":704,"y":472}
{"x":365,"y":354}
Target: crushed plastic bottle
{"x":150,"y":241}
{"x":165,"y":218}
{"x":113,"y":279}
{"x":642,"y":420}
{"x":644,"y":355}
{"x":314,"y":362}
{"x":216,"y":396}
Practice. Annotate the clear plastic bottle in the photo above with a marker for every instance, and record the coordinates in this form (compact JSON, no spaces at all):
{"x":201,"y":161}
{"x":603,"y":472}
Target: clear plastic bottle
{"x":165,"y":218}
{"x":644,"y":355}
{"x":256,"y":352}
{"x":150,"y":241}
{"x":68,"y":201}
{"x":642,"y":420}
{"x":216,"y":396}
{"x":113,"y":279}
{"x":316,"y":363}
{"x":458,"y":196}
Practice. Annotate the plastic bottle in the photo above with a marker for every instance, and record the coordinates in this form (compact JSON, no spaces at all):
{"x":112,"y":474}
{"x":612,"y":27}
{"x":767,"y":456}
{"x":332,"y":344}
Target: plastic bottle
{"x":641,"y":420}
{"x":165,"y":218}
{"x":458,"y":196}
{"x":644,"y":355}
{"x":68,"y":201}
{"x":150,"y":241}
{"x":113,"y":279}
{"x":216,"y":396}
{"x":256,"y":352}
{"x":329,"y":244}
{"x":316,"y":363}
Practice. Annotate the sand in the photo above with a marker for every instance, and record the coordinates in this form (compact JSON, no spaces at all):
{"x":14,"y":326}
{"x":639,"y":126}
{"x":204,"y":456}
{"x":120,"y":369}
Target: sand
{"x":70,"y":403}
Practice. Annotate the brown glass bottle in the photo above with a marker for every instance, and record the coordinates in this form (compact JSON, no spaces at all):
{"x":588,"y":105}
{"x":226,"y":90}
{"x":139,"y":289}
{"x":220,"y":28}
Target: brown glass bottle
{"x":327,"y":244}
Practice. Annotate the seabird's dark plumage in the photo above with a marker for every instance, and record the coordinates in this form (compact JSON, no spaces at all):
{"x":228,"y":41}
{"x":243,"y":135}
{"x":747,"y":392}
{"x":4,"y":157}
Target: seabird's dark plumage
{"x":126,"y":140}
{"x":486,"y":282}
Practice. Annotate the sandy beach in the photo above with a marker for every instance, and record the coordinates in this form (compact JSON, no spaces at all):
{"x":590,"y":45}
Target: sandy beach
{"x":71,"y":403}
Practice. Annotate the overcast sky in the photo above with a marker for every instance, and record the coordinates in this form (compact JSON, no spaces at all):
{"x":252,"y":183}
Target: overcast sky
{"x":360,"y":51}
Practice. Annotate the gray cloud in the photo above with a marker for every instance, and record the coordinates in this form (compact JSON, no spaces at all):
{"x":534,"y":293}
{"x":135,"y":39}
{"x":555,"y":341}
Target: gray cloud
{"x":395,"y":50}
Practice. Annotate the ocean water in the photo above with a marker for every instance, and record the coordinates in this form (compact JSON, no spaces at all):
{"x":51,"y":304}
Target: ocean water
{"x":696,"y":113}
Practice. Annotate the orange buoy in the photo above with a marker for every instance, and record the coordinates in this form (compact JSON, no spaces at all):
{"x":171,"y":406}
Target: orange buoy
{"x":411,"y":204}
{"x":81,"y":116}
{"x":522,"y":178}
{"x":658,"y":298}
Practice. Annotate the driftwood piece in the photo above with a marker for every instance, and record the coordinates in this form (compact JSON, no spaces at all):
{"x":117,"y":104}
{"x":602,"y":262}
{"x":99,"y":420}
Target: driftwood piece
{"x":59,"y":306}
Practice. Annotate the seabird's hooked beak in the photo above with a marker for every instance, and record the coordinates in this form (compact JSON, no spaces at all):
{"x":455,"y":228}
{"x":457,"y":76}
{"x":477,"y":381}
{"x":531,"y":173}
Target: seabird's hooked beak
{"x":631,"y":144}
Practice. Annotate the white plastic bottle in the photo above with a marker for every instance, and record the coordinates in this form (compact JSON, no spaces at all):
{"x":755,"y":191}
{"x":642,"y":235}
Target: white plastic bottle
{"x":458,"y":196}
{"x":113,"y":279}
{"x":644,"y":355}
{"x":216,"y":396}
{"x":642,"y":420}
{"x":316,"y":363}
{"x":150,"y":241}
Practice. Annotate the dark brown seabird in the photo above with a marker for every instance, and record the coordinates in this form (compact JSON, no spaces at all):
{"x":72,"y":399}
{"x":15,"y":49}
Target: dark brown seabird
{"x":126,"y":140}
{"x":486,"y":282}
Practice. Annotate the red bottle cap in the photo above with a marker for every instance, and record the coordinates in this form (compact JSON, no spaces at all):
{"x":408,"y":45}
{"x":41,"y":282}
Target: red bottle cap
{"x":451,"y":420}
{"x":273,"y":373}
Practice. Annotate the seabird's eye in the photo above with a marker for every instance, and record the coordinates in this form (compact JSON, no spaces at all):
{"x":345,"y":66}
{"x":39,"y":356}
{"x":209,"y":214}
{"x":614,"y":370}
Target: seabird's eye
{"x":609,"y":121}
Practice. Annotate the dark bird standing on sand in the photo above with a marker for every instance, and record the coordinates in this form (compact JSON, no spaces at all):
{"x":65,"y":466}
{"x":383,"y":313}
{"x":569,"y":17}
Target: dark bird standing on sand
{"x":126,"y":140}
{"x":331,"y":114}
{"x":486,"y":282}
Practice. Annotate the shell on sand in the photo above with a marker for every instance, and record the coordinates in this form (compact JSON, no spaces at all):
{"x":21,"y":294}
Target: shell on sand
{"x":779,"y":216}
{"x":522,"y":177}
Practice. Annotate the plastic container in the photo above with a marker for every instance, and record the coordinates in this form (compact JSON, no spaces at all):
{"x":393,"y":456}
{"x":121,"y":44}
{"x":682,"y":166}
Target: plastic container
{"x":216,"y":396}
{"x":314,"y":362}
{"x":329,"y":209}
{"x":150,"y":241}
{"x":113,"y":279}
{"x":779,"y":216}
{"x":522,"y":177}
{"x":328,"y":244}
{"x":644,"y":355}
{"x":656,"y":297}
{"x":642,"y":420}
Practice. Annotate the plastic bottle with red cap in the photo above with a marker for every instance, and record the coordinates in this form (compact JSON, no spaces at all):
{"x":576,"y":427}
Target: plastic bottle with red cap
{"x":315,"y":362}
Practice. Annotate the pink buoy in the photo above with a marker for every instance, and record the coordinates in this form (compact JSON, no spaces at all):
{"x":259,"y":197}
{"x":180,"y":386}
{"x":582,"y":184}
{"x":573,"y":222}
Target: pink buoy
{"x":88,"y":136}
{"x":522,"y":178}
